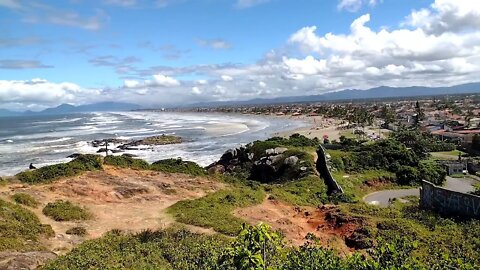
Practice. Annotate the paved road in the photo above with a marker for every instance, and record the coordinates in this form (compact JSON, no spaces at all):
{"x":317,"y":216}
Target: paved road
{"x":381,"y":198}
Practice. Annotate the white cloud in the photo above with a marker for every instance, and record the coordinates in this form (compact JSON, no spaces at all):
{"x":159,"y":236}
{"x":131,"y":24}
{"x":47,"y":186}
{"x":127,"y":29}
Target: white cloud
{"x":262,"y":84}
{"x":355,"y":5}
{"x":162,"y":80}
{"x":196,"y":90}
{"x":447,"y":16}
{"x":123,"y":3}
{"x":202,"y":82}
{"x":307,"y":66}
{"x":249,"y":3}
{"x":43,"y":92}
{"x":131,"y":83}
{"x":227,"y":78}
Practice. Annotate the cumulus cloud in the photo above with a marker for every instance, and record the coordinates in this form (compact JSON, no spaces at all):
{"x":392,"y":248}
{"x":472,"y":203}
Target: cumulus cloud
{"x":43,"y":92}
{"x":447,"y":16}
{"x":435,"y":46}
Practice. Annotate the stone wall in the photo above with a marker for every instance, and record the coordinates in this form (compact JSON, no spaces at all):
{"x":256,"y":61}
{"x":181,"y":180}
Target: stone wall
{"x":449,"y":202}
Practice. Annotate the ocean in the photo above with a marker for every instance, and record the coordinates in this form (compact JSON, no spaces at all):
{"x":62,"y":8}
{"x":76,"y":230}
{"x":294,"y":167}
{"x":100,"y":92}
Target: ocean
{"x":47,"y":139}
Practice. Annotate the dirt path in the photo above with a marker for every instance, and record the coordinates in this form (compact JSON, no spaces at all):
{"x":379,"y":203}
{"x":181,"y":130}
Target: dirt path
{"x":123,"y":199}
{"x":296,"y":223}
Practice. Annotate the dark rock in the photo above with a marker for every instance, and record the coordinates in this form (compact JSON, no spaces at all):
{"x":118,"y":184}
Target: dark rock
{"x":76,"y":155}
{"x":27,"y":260}
{"x":217,"y":169}
{"x":129,"y":155}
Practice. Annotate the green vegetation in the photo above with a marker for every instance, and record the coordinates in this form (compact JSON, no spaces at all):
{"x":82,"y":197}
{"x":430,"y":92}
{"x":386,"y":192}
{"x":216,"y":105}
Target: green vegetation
{"x":178,"y":166}
{"x":161,"y":140}
{"x":404,"y":154}
{"x":25,"y":199}
{"x":309,"y":191}
{"x":215,"y":210}
{"x":361,"y":183}
{"x":126,"y":162}
{"x":3,"y":182}
{"x":169,"y":249}
{"x":48,"y":174}
{"x":20,"y":229}
{"x":65,"y":211}
{"x":80,"y":231}
{"x":258,"y":247}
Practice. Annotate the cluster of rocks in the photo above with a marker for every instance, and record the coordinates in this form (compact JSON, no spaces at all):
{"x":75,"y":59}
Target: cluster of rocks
{"x":268,"y":167}
{"x":125,"y":145}
{"x":230,"y":160}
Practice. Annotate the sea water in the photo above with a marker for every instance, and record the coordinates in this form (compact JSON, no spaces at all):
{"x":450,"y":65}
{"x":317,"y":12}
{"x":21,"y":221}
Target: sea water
{"x":44,"y":140}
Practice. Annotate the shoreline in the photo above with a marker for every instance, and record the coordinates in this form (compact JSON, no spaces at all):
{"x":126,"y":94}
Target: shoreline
{"x":229,"y":124}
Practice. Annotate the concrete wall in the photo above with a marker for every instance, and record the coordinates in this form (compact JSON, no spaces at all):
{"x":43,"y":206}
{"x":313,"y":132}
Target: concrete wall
{"x":449,"y":202}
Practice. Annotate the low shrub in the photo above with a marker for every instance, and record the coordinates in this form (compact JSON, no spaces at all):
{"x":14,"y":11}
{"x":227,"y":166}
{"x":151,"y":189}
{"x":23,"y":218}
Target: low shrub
{"x":178,"y":166}
{"x":80,"y":231}
{"x":126,"y":162}
{"x":50,"y":173}
{"x":20,"y":229}
{"x":65,"y":211}
{"x":25,"y":199}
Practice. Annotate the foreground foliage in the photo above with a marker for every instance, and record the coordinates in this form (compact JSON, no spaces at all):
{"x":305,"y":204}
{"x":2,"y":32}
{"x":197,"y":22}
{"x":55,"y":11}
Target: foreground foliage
{"x":66,"y":211}
{"x":255,"y":247}
{"x":20,"y":229}
{"x":50,"y":173}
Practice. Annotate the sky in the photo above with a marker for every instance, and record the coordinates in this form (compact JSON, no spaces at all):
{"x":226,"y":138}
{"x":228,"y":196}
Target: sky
{"x":175,"y":52}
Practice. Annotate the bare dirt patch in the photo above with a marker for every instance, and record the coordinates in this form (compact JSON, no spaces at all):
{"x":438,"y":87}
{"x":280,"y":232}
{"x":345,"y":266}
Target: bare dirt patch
{"x":123,"y":199}
{"x":326,"y":222}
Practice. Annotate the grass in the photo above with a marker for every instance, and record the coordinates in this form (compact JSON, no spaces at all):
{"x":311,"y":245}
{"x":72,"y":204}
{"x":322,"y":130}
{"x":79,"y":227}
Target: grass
{"x":215,"y":210}
{"x":449,"y":155}
{"x":66,"y":211}
{"x":20,"y":229}
{"x":50,"y":173}
{"x":80,"y":231}
{"x":178,"y":166}
{"x":25,"y":199}
{"x":126,"y":162}
{"x":309,"y":191}
{"x":355,"y":184}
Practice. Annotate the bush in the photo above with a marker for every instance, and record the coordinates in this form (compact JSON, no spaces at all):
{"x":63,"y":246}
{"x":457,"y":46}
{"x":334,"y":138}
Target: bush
{"x":126,"y":162}
{"x":66,"y":211}
{"x":178,"y":166}
{"x":25,"y":199}
{"x":166,"y":249}
{"x":309,"y":191}
{"x":50,"y":173}
{"x":80,"y":231}
{"x":20,"y":229}
{"x":215,"y":210}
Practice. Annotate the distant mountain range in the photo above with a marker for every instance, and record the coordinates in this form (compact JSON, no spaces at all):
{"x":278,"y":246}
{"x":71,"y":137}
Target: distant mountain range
{"x":70,"y":109}
{"x":355,"y":94}
{"x":349,"y":94}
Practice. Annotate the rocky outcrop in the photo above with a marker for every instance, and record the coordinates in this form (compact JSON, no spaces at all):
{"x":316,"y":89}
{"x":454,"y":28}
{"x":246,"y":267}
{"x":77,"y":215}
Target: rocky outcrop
{"x":126,"y":145}
{"x":27,"y":260}
{"x":271,"y":165}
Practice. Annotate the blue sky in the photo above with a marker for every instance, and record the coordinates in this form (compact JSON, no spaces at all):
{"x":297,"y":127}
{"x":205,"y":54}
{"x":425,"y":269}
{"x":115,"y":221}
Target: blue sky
{"x":158,"y":52}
